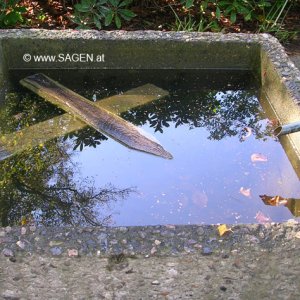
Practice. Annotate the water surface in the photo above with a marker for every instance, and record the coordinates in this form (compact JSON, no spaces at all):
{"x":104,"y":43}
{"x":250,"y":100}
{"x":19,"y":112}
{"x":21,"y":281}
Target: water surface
{"x":225,"y":159}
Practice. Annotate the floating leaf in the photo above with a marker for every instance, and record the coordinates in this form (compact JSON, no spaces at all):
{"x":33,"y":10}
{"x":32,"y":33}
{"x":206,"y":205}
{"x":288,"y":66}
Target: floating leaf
{"x":245,"y":192}
{"x":223,"y":229}
{"x":256,"y":157}
{"x":248,"y":131}
{"x":273,"y":200}
{"x":261,"y":218}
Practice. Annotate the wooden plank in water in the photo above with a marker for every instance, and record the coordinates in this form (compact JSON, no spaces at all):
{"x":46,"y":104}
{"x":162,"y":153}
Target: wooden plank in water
{"x":40,"y":133}
{"x":100,"y":119}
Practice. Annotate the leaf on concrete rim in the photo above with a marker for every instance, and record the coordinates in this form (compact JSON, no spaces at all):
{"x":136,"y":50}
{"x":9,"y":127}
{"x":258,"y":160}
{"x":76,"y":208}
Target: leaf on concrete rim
{"x":223,"y":229}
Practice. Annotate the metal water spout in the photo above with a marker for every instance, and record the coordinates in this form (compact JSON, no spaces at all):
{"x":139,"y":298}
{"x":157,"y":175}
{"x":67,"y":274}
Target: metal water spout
{"x":286,"y":129}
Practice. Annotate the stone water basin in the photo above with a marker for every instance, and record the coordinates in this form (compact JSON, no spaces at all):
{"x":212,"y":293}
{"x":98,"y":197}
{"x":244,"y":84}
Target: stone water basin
{"x":211,"y":100}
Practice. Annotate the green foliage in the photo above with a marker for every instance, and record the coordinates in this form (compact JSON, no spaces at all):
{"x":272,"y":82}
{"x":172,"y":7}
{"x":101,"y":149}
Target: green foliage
{"x":272,"y":20}
{"x":99,"y":13}
{"x":248,"y":10}
{"x":267,"y":15}
{"x":237,"y":7}
{"x":189,"y":24}
{"x":10,"y":13}
{"x":187,"y":3}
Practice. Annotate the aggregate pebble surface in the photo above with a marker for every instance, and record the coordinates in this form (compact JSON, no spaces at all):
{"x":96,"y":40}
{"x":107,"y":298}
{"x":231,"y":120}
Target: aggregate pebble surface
{"x":189,"y":262}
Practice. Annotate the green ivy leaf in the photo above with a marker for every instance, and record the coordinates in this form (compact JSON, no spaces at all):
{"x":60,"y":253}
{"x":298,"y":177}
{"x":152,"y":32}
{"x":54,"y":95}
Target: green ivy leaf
{"x":224,"y":3}
{"x":12,"y":18}
{"x":20,"y":9}
{"x":97,"y":22}
{"x":114,"y":2}
{"x":248,"y":17}
{"x":79,"y":7}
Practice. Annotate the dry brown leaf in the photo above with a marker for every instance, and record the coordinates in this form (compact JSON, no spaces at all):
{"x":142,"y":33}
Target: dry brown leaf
{"x":273,"y":122}
{"x":273,"y":200}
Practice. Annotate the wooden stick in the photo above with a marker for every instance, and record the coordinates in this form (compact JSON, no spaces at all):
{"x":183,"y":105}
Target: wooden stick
{"x":40,"y":133}
{"x":99,"y":118}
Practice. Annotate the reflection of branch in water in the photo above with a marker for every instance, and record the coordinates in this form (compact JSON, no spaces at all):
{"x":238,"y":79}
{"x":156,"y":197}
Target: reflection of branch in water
{"x":292,"y":204}
{"x":222,"y":114}
{"x":41,"y":183}
{"x":67,"y":204}
{"x":87,"y":137}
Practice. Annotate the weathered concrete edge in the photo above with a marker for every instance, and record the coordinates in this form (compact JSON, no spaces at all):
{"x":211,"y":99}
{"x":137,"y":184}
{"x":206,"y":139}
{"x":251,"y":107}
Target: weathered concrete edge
{"x":146,"y":241}
{"x":275,"y":51}
{"x":128,"y":51}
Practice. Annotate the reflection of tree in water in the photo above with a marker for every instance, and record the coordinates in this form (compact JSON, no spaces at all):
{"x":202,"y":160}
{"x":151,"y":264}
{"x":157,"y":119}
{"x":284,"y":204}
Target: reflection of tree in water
{"x":222,"y":114}
{"x":87,"y":137}
{"x":41,"y":183}
{"x":25,"y":110}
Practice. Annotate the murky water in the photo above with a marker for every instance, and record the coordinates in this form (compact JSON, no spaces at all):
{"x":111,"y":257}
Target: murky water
{"x":226,"y":164}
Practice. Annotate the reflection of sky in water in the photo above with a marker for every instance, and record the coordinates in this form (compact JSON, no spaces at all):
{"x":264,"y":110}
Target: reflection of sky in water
{"x":200,"y":185}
